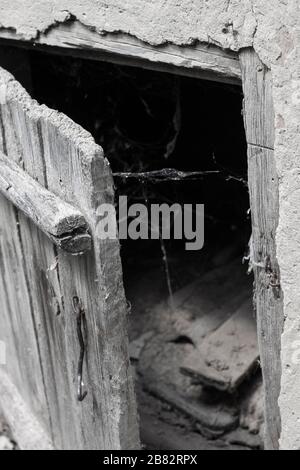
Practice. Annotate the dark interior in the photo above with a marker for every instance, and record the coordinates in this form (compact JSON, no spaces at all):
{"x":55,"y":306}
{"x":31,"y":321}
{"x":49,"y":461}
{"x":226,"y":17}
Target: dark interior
{"x":147,"y":120}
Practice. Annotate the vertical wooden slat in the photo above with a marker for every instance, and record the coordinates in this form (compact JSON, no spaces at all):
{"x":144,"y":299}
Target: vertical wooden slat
{"x":264,"y":199}
{"x":17,"y":323}
{"x":26,"y":428}
{"x":65,"y":159}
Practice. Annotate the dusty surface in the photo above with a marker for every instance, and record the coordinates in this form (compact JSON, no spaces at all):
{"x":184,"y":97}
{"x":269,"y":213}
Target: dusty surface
{"x":164,"y":428}
{"x":272,"y":27}
{"x":176,"y":411}
{"x":229,"y":354}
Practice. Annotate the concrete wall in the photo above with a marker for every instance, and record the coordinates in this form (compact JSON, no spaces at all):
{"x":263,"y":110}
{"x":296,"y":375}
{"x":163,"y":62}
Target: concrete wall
{"x":272,"y":27}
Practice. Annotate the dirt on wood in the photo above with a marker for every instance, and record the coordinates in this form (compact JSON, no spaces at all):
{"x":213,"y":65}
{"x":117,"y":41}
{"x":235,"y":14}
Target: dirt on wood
{"x":6,"y":441}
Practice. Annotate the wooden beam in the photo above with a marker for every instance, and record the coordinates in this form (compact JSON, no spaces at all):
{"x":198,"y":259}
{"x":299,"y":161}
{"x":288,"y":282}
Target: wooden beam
{"x":227,"y":356}
{"x":264,"y":199}
{"x":63,"y":224}
{"x":199,"y":60}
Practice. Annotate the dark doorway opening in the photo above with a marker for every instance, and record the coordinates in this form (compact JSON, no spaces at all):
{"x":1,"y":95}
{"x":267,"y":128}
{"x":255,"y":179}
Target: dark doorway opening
{"x":183,"y":303}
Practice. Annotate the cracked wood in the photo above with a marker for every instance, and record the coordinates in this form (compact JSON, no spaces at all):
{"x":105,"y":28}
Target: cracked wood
{"x":205,"y":61}
{"x":264,"y":201}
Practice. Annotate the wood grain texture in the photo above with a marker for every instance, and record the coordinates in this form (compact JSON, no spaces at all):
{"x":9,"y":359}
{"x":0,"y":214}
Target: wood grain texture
{"x":264,"y":199}
{"x":227,"y":356}
{"x":64,"y":159}
{"x":202,"y":311}
{"x":200,"y":60}
{"x":61,"y":222}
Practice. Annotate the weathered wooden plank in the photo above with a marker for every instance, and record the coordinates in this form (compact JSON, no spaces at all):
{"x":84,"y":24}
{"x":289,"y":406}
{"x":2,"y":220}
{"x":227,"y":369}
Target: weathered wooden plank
{"x":200,"y":60}
{"x":227,"y":356}
{"x":25,"y":428}
{"x":159,"y":368}
{"x":264,"y":199}
{"x":61,"y":222}
{"x":65,"y":159}
{"x":203,"y":311}
{"x":258,"y":101}
{"x":163,"y":427}
{"x":20,"y":337}
{"x":197,"y":310}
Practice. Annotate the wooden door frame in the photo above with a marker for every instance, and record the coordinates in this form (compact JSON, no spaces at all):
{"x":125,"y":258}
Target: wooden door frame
{"x":209,"y":62}
{"x":264,"y":202}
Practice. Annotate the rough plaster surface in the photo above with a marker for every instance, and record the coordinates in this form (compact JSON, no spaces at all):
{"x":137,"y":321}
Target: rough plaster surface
{"x":272,"y":27}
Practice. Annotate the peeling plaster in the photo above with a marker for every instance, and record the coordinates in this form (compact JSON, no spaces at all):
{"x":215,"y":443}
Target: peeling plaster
{"x":272,"y":27}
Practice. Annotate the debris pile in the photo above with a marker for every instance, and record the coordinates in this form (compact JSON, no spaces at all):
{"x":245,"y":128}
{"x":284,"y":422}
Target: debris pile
{"x":200,"y":358}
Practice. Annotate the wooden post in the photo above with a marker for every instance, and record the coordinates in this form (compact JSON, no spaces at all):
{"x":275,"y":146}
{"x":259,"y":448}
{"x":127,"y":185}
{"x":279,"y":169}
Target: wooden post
{"x":264,"y":200}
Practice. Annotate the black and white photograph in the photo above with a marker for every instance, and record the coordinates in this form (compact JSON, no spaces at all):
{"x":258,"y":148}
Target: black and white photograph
{"x":149,"y":228}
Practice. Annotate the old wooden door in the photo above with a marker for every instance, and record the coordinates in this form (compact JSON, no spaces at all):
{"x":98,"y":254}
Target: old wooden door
{"x":42,"y":286}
